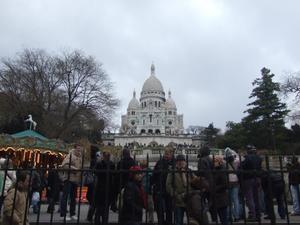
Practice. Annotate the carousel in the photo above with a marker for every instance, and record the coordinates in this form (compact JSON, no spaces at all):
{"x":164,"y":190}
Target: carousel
{"x":29,"y":148}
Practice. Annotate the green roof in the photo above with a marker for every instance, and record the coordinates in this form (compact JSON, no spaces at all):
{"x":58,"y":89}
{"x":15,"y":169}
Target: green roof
{"x":29,"y":133}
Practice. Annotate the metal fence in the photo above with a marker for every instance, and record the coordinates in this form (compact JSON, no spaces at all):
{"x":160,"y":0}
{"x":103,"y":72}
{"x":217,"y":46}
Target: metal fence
{"x":217,"y":194}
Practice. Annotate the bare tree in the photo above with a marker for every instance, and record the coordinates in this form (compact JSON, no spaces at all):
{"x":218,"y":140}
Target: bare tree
{"x":61,"y":91}
{"x":291,"y":87}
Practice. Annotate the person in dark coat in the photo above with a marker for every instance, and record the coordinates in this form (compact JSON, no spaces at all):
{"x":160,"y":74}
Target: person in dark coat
{"x":197,"y":204}
{"x":134,"y":198}
{"x":251,"y":182}
{"x":220,"y":189}
{"x":162,"y":200}
{"x":122,"y":177}
{"x":294,"y":182}
{"x":205,"y":167}
{"x":124,"y":164}
{"x":37,"y":185}
{"x":53,"y":188}
{"x":273,"y":186}
{"x":103,"y":192}
{"x":90,"y":182}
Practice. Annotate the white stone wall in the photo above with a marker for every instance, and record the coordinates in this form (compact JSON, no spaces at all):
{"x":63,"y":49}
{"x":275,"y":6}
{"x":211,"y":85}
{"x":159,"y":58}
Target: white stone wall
{"x":147,"y":139}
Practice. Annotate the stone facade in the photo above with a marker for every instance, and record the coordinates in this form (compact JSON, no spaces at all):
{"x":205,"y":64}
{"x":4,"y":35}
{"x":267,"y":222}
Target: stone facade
{"x":152,"y":120}
{"x":152,"y":140}
{"x":152,"y":113}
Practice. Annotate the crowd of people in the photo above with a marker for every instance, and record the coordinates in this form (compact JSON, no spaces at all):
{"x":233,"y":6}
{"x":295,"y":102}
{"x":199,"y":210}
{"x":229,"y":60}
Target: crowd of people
{"x":219,"y":188}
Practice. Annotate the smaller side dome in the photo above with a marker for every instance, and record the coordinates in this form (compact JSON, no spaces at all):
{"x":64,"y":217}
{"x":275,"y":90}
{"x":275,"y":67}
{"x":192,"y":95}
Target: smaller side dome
{"x":170,"y":104}
{"x":134,"y":103}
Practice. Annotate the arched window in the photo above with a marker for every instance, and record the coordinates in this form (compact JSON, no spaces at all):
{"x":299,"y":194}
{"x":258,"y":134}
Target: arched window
{"x":150,"y":118}
{"x":159,"y":104}
{"x":155,"y":103}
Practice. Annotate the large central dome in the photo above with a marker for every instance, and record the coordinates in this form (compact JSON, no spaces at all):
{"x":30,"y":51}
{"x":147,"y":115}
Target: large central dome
{"x":152,"y":84}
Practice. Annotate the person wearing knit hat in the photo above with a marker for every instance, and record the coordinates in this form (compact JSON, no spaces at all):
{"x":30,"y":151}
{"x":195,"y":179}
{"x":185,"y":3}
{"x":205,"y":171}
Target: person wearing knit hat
{"x":134,"y":198}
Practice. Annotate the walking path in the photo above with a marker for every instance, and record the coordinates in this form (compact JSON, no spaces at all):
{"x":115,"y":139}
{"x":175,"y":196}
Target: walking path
{"x":46,"y":218}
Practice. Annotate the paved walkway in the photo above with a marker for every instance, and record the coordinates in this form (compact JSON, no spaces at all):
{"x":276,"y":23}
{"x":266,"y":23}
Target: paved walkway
{"x":46,"y":218}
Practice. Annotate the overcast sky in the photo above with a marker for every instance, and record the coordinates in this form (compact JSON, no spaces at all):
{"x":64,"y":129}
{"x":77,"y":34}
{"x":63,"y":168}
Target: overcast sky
{"x":207,"y":52}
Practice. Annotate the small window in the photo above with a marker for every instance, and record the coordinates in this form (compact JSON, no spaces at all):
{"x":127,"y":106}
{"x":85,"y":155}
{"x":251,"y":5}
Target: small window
{"x":170,"y":112}
{"x":155,"y":103}
{"x":170,"y":122}
{"x":143,"y":122}
{"x":133,"y":113}
{"x":150,"y":118}
{"x":132,"y":122}
{"x":158,"y":104}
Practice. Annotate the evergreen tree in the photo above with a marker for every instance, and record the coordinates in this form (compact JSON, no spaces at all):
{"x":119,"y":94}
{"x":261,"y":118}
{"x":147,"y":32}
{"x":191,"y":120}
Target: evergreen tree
{"x":210,"y":135}
{"x":234,"y":136}
{"x":265,"y":120}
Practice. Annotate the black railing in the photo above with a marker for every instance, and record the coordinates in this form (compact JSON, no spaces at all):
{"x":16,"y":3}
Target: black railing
{"x":217,"y":194}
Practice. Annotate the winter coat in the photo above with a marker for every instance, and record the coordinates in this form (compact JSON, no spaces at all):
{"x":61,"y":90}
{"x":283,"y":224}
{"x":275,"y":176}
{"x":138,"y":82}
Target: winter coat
{"x":123,"y":178}
{"x":105,"y":182}
{"x":233,"y":176}
{"x":37,"y":183}
{"x":276,"y":182}
{"x":197,"y":207}
{"x":160,"y":174}
{"x":252,"y":162}
{"x":133,"y":203}
{"x":54,"y":184}
{"x":196,"y":201}
{"x":294,"y":173}
{"x":74,"y":164}
{"x":205,"y":166}
{"x":17,"y":207}
{"x":10,"y":179}
{"x":219,"y":188}
{"x":177,"y":186}
{"x":146,"y":181}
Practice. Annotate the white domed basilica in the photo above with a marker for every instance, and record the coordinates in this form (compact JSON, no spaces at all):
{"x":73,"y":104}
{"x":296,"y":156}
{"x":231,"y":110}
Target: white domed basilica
{"x":152,"y":119}
{"x":153,"y":113}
